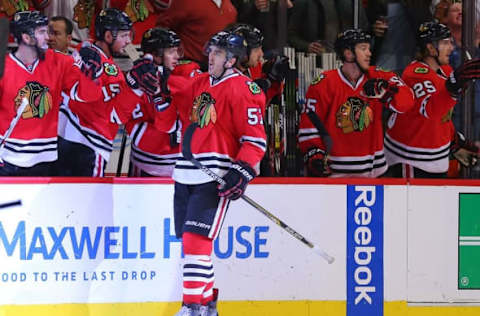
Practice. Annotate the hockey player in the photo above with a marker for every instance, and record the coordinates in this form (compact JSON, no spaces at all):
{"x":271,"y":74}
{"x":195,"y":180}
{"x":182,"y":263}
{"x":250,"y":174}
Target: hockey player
{"x":417,"y":143}
{"x":348,"y":103}
{"x":34,"y":78}
{"x":268,"y":75}
{"x":230,"y":140}
{"x":153,"y":152}
{"x":88,"y":130}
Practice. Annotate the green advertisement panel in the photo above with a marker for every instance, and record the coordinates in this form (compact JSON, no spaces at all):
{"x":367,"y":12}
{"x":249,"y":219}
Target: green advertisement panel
{"x":469,"y":241}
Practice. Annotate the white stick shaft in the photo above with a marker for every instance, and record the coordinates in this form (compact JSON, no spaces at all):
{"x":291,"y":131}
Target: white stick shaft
{"x":13,"y":123}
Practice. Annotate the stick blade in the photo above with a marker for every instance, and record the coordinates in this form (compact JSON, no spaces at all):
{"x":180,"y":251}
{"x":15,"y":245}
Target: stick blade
{"x":4,"y":33}
{"x":323,"y":254}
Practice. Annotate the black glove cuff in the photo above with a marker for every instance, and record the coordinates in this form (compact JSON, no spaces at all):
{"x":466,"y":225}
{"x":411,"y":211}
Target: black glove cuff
{"x":312,"y":152}
{"x":244,"y":169}
{"x":131,"y":81}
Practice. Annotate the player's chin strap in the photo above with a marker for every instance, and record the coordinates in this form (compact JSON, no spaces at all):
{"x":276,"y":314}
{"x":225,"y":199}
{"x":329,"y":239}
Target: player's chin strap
{"x":187,"y":154}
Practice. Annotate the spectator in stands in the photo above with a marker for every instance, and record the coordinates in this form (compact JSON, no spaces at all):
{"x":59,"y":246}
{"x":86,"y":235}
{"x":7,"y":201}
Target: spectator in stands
{"x":196,"y":21}
{"x":394,"y":22}
{"x":60,"y":33}
{"x":268,"y":16}
{"x":314,"y":24}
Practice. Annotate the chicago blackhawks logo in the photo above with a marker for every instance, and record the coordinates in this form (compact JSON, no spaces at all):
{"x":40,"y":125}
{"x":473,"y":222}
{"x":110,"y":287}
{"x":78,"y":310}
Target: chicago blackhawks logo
{"x":38,"y":97}
{"x":204,"y":110}
{"x":110,"y":69}
{"x":253,"y":87}
{"x":318,"y":78}
{"x":354,"y":115}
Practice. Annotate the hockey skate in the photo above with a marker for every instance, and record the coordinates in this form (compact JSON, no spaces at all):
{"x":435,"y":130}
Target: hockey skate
{"x":193,"y":310}
{"x":212,"y":306}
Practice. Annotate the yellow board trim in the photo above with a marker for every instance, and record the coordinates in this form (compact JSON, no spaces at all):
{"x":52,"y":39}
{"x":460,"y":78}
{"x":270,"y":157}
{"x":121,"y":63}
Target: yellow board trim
{"x":232,"y":308}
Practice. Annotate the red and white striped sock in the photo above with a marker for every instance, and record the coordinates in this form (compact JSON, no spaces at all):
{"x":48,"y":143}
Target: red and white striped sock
{"x":198,"y":273}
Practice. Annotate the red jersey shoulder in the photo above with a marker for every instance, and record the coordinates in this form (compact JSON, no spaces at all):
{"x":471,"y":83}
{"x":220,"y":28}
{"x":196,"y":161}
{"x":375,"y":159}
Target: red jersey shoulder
{"x":378,"y":72}
{"x":417,"y":70}
{"x":186,"y":68}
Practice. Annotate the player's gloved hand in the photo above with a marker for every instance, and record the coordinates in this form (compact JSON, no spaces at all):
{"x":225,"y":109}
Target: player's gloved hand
{"x":91,"y":64}
{"x":458,"y":79}
{"x":276,"y":68}
{"x":143,"y":75}
{"x":317,"y":163}
{"x":162,"y":100}
{"x":464,"y":150}
{"x":236,"y":180}
{"x":380,"y":89}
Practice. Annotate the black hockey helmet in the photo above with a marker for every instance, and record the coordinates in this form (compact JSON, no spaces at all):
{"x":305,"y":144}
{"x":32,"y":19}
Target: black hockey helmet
{"x":26,"y":22}
{"x":235,"y":45}
{"x":111,"y":19}
{"x":251,"y":34}
{"x":431,"y":32}
{"x":156,"y":39}
{"x":349,"y":38}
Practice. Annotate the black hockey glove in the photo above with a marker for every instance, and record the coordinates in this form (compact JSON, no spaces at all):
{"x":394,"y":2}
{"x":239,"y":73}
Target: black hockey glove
{"x":380,"y":89}
{"x":236,"y":180}
{"x":162,"y":100}
{"x":317,"y":163}
{"x":464,"y":150}
{"x":143,"y":75}
{"x":91,"y":62}
{"x":458,"y":79}
{"x":276,"y":68}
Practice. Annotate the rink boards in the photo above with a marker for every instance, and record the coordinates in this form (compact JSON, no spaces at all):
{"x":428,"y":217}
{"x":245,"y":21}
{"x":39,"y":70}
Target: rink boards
{"x":107,"y":247}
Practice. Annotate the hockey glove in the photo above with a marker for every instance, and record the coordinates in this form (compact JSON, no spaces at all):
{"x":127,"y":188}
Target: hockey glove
{"x":317,"y":163}
{"x":380,"y":89}
{"x":143,"y":75}
{"x":464,"y":150}
{"x":236,"y":180}
{"x":276,"y":68}
{"x":458,"y":79}
{"x":91,"y":64}
{"x":162,"y":100}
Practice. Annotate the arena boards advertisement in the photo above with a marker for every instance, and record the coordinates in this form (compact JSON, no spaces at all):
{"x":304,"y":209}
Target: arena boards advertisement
{"x":108,"y":248}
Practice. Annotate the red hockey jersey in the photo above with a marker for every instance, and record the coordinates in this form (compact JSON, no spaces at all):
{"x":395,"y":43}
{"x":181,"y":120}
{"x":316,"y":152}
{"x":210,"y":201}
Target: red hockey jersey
{"x":34,"y":138}
{"x":96,"y":124}
{"x":353,"y":121}
{"x":230,"y":116}
{"x":421,"y":137}
{"x":153,"y":150}
{"x":275,"y":89}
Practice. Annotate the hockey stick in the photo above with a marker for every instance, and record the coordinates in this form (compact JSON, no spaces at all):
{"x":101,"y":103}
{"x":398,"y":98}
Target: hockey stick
{"x":10,"y":204}
{"x":187,"y":154}
{"x":13,"y":123}
{"x":133,"y":55}
{"x":4,"y":32}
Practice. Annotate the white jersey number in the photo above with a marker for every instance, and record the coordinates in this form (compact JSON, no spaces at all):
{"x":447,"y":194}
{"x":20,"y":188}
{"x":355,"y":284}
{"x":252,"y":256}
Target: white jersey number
{"x":422,"y":88}
{"x":110,"y":91}
{"x":255,"y":116}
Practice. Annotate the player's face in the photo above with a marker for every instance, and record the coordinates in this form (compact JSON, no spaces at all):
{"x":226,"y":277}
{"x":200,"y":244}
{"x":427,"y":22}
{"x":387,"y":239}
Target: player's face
{"x":256,"y":57}
{"x":41,"y":35}
{"x":171,"y":56}
{"x":58,"y":38}
{"x":123,"y":39}
{"x":445,"y":48}
{"x":363,"y":55}
{"x":217,"y":58}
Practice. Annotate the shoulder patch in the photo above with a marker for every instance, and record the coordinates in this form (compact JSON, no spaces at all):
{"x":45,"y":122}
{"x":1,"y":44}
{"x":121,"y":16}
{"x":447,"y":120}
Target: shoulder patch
{"x":184,"y":62}
{"x":381,"y":69}
{"x":318,"y":78}
{"x":110,"y":69}
{"x":253,"y":87}
{"x":420,"y":70}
